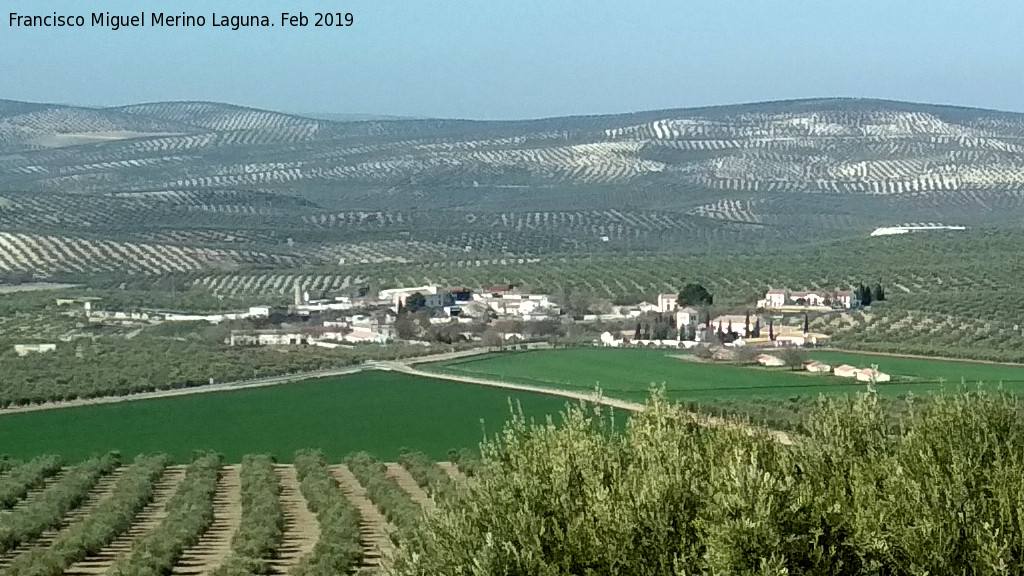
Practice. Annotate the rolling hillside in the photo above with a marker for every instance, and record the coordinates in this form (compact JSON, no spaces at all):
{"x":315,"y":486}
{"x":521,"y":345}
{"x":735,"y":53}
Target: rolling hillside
{"x":81,"y":190}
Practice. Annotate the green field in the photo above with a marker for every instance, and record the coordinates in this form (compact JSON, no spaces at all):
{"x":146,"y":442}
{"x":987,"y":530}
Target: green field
{"x":629,"y":373}
{"x":379,"y":412}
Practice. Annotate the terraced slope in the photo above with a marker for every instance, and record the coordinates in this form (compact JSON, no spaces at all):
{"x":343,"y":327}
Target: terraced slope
{"x":301,"y":529}
{"x":375,"y":530}
{"x":145,"y":521}
{"x":215,"y":545}
{"x":104,"y":487}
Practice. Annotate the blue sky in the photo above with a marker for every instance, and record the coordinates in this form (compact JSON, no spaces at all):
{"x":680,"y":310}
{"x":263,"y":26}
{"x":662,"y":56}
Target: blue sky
{"x":528,"y":58}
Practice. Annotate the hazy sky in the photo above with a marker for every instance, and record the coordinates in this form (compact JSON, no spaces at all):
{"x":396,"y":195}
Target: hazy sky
{"x":527,"y":58}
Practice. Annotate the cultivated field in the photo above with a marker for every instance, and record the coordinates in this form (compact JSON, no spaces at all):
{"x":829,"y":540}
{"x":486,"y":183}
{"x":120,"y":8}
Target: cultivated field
{"x":629,"y":374}
{"x":382,"y":412}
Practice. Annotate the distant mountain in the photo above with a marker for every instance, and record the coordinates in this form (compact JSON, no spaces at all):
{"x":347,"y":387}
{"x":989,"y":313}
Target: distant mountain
{"x":748,"y":176}
{"x":355,"y":117}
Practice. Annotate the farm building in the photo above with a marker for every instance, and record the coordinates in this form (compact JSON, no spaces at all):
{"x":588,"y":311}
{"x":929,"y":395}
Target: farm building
{"x":817,"y":367}
{"x":378,"y":328}
{"x":769,"y":360}
{"x":870,"y":375}
{"x":26,"y":349}
{"x":845,"y":371}
{"x":814,"y":298}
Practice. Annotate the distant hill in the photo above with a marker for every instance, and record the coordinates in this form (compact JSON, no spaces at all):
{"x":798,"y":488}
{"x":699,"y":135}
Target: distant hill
{"x":752,"y":176}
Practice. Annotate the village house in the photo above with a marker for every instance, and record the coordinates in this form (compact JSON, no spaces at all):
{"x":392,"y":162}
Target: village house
{"x":687,"y":317}
{"x":667,"y":302}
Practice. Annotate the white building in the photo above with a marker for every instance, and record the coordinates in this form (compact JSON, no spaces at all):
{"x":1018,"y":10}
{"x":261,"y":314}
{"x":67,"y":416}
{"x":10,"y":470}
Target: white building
{"x":813,"y":298}
{"x":26,"y":349}
{"x":817,"y":367}
{"x":267,"y":338}
{"x":687,"y":317}
{"x":769,"y":360}
{"x":907,"y":228}
{"x":379,"y":328}
{"x":870,"y":375}
{"x":845,"y":371}
{"x":667,"y":302}
{"x":397,"y":296}
{"x":733,"y":323}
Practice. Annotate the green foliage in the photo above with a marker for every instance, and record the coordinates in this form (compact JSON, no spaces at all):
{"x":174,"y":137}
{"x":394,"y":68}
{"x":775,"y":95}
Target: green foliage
{"x":694,"y":295}
{"x":434,"y":481}
{"x":938,"y":494}
{"x":112,"y":516}
{"x":396,"y":505}
{"x":794,"y":357}
{"x":189,"y":514}
{"x":466,"y":460}
{"x":338,"y":549}
{"x":17,"y":483}
{"x":48,"y":509}
{"x":262,"y":527}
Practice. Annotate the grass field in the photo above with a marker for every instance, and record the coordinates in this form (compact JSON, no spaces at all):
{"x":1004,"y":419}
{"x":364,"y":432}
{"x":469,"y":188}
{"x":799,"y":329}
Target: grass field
{"x":379,"y":412}
{"x":629,"y":373}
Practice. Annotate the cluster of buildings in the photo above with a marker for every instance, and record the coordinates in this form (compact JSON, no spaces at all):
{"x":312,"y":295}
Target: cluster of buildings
{"x":833,"y":299}
{"x":844,"y":371}
{"x":461,"y":302}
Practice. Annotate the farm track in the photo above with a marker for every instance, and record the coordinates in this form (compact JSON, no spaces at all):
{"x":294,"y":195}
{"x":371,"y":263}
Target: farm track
{"x":374,"y":529}
{"x":702,"y":419}
{"x":145,"y":521}
{"x":408,"y":484}
{"x":103,"y":488}
{"x":215,"y":544}
{"x":454,"y":473}
{"x":301,"y":528}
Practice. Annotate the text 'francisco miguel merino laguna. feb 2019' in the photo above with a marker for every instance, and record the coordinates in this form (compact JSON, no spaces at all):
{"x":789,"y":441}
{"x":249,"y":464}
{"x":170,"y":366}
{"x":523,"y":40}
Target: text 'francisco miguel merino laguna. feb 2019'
{"x":183,"y":20}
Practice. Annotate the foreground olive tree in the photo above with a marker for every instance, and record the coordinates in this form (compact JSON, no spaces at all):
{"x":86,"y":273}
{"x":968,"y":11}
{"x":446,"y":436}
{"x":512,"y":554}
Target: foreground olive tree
{"x":942,"y":494}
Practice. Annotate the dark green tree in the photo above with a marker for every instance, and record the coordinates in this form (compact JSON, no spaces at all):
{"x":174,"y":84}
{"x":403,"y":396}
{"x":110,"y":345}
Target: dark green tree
{"x":878,"y":294}
{"x":415,"y":302}
{"x":694,"y":295}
